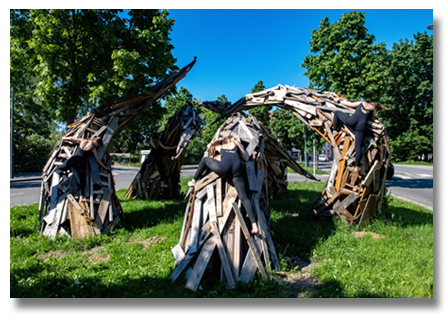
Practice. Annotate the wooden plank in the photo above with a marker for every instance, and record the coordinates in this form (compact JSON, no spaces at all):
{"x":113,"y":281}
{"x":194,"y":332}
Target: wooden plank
{"x":107,"y":137}
{"x":249,"y":239}
{"x":219,"y":197}
{"x":94,"y":170}
{"x":52,"y":227}
{"x":223,"y":256}
{"x":342,"y":164}
{"x":337,"y":154}
{"x":181,"y":266}
{"x":206,"y":180}
{"x":78,"y":224}
{"x":249,"y":265}
{"x":201,"y":263}
{"x":54,"y":197}
{"x":346,"y":202}
{"x":252,"y":145}
{"x":192,"y":246}
{"x":178,"y":254}
{"x":369,"y":177}
{"x":103,"y":208}
{"x":228,"y":201}
{"x":370,"y":209}
{"x":250,"y":170}
{"x":72,"y":200}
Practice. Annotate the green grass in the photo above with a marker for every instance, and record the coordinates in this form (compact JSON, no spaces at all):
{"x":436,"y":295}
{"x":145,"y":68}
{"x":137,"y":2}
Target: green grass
{"x":117,"y":265}
{"x":412,"y":162}
{"x":310,"y":169}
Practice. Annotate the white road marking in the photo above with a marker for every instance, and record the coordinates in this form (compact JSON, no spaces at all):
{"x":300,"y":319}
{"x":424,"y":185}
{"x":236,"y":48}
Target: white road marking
{"x":404,"y":177}
{"x":16,"y":194}
{"x":425,"y":175}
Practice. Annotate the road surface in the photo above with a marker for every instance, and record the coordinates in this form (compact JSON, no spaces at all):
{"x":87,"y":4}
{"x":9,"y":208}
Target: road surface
{"x":414,"y":183}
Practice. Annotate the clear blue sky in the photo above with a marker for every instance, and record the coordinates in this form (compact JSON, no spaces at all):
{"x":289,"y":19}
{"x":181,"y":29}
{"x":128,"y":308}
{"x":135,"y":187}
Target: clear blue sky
{"x":237,"y":48}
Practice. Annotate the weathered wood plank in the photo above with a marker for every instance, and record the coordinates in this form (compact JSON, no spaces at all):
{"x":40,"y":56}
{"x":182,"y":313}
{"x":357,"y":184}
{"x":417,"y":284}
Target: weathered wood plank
{"x":219,"y":197}
{"x":252,"y":247}
{"x":103,"y":208}
{"x":222,"y":254}
{"x":201,"y":263}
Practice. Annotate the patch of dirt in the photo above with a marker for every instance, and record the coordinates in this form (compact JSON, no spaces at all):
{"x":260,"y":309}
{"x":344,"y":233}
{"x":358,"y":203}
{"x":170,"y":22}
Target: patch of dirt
{"x":97,"y":258}
{"x":371,"y":234}
{"x":55,"y":254}
{"x":93,"y":249}
{"x":150,"y":241}
{"x":300,"y":284}
{"x":61,"y":254}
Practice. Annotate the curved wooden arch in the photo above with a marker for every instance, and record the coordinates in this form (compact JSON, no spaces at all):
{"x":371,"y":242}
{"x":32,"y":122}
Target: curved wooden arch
{"x":356,"y":197}
{"x":102,"y":210}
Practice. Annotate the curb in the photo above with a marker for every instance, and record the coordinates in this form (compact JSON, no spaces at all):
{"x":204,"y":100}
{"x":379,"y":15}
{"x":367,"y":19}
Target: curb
{"x":414,"y":202}
{"x":25,"y":179}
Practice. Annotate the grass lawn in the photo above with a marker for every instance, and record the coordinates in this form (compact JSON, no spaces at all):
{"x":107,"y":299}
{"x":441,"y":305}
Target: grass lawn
{"x":412,"y":162}
{"x":319,"y":258}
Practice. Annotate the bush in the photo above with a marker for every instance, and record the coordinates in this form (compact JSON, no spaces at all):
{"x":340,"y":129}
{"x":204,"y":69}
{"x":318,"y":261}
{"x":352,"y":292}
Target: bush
{"x":31,"y":153}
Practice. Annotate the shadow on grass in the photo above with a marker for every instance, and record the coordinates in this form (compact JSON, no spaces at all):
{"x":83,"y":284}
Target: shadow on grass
{"x":144,"y":287}
{"x":295,"y":231}
{"x":144,"y":214}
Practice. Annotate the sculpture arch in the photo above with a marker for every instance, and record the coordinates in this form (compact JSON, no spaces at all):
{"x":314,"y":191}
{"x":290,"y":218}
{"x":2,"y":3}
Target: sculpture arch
{"x":355,"y":196}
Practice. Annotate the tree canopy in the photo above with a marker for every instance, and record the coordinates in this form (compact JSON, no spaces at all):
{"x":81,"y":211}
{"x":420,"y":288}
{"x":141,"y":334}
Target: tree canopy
{"x":85,"y":58}
{"x":345,"y":59}
{"x":409,"y":97}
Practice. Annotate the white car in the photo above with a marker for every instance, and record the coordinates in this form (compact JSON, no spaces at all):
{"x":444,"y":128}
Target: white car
{"x":323,"y":158}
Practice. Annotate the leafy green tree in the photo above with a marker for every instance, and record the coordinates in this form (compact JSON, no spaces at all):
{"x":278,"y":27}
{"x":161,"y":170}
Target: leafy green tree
{"x":345,"y":59}
{"x":409,"y":97}
{"x":260,"y":112}
{"x":85,"y":58}
{"x":288,"y":129}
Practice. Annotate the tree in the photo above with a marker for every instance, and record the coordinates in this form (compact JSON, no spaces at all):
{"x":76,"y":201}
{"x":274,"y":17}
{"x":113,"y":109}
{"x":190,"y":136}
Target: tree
{"x":288,"y":129}
{"x":345,"y":59}
{"x":409,"y":97}
{"x":85,"y":58}
{"x":260,"y":112}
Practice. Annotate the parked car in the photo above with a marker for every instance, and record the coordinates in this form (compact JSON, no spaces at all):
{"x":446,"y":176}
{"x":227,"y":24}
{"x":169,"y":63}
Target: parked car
{"x":390,"y":171}
{"x":323,"y":158}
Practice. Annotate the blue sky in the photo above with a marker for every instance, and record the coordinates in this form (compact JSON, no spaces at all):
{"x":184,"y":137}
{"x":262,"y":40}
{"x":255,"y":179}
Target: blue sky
{"x":237,"y":48}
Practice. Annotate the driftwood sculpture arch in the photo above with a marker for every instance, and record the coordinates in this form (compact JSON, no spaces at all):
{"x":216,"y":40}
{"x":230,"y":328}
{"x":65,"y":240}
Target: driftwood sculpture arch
{"x":102,"y":210}
{"x":179,"y":131}
{"x":354,"y":196}
{"x":215,"y":219}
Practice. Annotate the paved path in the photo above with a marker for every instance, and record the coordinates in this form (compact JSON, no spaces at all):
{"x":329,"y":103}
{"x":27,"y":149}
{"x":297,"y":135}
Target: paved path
{"x":414,"y":183}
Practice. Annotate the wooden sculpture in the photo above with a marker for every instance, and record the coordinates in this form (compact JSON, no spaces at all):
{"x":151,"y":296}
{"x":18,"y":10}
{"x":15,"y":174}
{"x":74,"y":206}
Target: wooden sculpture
{"x":214,"y":217}
{"x":352,"y":195}
{"x":102,"y":209}
{"x":178,"y":133}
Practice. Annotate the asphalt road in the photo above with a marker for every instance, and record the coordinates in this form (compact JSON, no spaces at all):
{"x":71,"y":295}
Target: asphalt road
{"x":414,"y":183}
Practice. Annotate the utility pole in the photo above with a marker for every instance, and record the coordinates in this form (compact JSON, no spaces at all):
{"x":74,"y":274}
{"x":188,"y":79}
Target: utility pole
{"x":12,"y":133}
{"x":314,"y":155}
{"x":304,"y":152}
